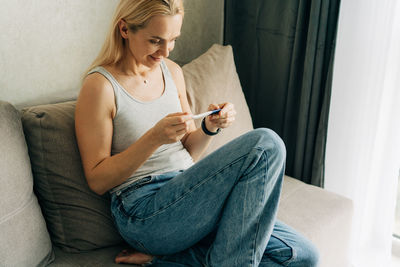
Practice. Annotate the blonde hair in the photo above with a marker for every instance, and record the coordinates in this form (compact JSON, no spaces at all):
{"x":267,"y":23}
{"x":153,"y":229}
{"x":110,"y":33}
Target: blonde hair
{"x":136,"y":13}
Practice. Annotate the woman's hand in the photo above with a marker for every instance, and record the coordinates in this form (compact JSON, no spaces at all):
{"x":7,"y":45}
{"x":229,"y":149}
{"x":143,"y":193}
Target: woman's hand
{"x":222,"y":119}
{"x":171,"y":128}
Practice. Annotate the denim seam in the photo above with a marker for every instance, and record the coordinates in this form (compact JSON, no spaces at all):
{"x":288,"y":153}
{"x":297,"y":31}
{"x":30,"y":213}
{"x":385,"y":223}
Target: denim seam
{"x":142,"y":246}
{"x":129,"y":189}
{"x":132,"y":187}
{"x":264,"y":154}
{"x":259,"y":149}
{"x":190,"y":190}
{"x":122,"y":210}
{"x":294,"y":255}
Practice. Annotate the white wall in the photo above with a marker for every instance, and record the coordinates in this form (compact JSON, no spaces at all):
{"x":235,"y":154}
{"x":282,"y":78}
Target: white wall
{"x":46,"y":45}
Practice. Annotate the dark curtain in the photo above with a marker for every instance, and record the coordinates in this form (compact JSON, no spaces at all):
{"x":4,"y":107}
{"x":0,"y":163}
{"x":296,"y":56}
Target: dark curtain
{"x":284,"y":53}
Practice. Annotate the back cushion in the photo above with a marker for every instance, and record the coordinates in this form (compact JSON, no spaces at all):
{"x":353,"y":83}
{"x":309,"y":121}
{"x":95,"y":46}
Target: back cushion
{"x":212,"y":79}
{"x":24,"y":240}
{"x":77,"y":218}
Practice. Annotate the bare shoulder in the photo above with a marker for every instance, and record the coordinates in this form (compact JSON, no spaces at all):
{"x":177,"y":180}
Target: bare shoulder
{"x":96,"y":94}
{"x":96,"y":83}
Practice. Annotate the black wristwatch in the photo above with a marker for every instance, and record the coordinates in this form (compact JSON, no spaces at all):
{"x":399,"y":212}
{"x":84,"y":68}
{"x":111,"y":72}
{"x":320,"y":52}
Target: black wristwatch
{"x":205,"y":130}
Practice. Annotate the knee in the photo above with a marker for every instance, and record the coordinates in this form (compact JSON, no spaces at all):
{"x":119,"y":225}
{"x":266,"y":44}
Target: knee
{"x":308,"y":256}
{"x":268,"y":140}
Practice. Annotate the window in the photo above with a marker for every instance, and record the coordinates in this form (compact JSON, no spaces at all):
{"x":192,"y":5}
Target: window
{"x":396,"y":231}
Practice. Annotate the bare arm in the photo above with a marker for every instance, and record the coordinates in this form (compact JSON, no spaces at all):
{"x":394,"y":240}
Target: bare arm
{"x":94,"y":113}
{"x":196,"y":141}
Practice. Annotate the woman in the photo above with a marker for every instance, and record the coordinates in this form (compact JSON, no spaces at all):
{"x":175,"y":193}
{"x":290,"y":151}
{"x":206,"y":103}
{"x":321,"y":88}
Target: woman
{"x":138,"y":141}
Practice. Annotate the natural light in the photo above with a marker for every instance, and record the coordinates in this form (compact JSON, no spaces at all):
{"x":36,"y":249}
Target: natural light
{"x":363,"y":147}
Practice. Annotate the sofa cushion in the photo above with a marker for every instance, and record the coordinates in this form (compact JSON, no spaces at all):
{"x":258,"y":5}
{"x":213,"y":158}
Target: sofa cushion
{"x":24,"y":240}
{"x":212,"y":79}
{"x":77,"y":218}
{"x":322,"y":216}
{"x":103,"y":257}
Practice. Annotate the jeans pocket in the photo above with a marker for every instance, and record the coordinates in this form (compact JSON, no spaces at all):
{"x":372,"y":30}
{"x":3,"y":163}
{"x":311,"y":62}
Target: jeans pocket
{"x":279,"y":250}
{"x":124,"y":192}
{"x":134,"y":198}
{"x":130,"y":196}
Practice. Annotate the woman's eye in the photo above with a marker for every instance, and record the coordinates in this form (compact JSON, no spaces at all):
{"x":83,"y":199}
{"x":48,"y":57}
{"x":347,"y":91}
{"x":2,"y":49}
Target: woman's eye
{"x":155,"y":41}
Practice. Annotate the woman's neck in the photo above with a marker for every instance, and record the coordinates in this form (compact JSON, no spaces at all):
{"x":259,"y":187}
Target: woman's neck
{"x":131,"y":67}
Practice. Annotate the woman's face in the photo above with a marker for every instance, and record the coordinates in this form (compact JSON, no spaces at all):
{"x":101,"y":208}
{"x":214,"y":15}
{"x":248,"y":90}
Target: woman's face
{"x":151,"y":44}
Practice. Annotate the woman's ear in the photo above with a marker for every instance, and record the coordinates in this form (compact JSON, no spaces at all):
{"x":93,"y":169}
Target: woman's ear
{"x":123,"y":28}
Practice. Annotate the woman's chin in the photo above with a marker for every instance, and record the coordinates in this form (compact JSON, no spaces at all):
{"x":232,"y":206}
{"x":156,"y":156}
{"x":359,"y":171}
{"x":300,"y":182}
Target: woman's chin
{"x":151,"y":62}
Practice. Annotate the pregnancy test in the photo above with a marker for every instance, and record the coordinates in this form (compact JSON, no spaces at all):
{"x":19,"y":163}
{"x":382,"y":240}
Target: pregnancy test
{"x":205,"y":114}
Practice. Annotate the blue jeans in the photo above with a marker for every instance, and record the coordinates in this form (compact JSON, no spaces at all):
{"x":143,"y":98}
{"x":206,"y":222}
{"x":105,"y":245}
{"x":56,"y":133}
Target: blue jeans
{"x":219,"y":212}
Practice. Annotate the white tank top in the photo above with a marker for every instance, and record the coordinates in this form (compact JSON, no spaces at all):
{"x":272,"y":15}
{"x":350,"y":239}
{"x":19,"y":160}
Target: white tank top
{"x":134,"y":117}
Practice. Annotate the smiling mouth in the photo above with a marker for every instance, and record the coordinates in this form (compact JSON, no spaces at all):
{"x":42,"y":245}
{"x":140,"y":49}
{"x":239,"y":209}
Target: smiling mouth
{"x":156,"y":58}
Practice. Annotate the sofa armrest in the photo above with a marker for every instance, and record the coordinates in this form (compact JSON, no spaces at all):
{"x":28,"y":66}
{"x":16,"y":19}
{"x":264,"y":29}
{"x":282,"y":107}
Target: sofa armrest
{"x":323,"y":217}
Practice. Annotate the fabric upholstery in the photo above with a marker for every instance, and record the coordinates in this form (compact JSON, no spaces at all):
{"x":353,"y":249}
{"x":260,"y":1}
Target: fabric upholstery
{"x":24,"y":240}
{"x":212,"y":79}
{"x":103,"y":257}
{"x":322,"y":216}
{"x":77,"y":218}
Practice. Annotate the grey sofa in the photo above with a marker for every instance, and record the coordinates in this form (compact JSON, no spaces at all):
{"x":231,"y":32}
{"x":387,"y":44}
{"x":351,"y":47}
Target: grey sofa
{"x":50,"y":217}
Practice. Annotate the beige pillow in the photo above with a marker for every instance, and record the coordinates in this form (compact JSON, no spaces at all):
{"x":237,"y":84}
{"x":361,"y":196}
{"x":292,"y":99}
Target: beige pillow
{"x":212,"y":79}
{"x":24,"y":240}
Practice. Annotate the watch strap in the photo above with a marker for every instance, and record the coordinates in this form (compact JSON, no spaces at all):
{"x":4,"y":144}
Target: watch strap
{"x":205,"y":130}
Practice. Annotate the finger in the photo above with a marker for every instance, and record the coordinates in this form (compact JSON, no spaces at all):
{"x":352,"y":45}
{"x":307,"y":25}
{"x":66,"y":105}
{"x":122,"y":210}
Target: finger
{"x":223,"y":106}
{"x":213,"y":107}
{"x":227,"y":107}
{"x":219,"y":116}
{"x":220,"y":113}
{"x":216,"y":115}
{"x":228,"y":114}
{"x":176,"y":114}
{"x":224,"y":122}
{"x":180,"y":127}
{"x":173,"y":132}
{"x":181,"y":132}
{"x":229,"y":121}
{"x":181,"y":119}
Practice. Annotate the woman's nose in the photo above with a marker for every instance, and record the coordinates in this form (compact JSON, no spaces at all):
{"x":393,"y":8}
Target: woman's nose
{"x":165,"y":50}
